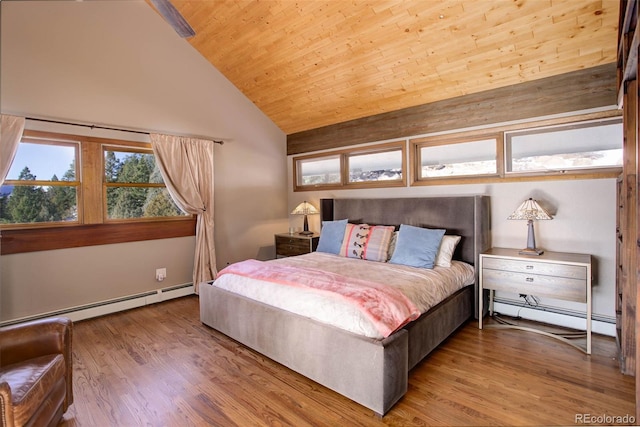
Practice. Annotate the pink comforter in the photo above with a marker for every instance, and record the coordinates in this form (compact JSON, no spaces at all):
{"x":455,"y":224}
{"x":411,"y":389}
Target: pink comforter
{"x":388,"y":308}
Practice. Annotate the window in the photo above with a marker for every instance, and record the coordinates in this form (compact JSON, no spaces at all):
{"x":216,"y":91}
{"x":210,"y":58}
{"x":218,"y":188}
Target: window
{"x":133,"y":186}
{"x":42,"y":184}
{"x":589,"y":146}
{"x":318,"y":171}
{"x":380,"y":165}
{"x":377,"y":166}
{"x":449,"y":159}
{"x":586,"y":145}
{"x":65,"y":191}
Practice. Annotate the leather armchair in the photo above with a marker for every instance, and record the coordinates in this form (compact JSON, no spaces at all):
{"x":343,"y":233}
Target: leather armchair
{"x":35,"y":372}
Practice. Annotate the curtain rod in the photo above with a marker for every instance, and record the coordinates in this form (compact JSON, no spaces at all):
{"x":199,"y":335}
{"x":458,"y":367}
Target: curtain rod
{"x":108,"y":128}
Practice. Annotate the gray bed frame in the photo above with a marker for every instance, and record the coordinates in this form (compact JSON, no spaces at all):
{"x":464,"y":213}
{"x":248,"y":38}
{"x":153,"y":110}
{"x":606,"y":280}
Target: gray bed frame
{"x":372,"y":372}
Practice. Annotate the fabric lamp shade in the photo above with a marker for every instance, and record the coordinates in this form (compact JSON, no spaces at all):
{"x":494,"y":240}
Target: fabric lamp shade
{"x":305,"y":208}
{"x":530,"y":210}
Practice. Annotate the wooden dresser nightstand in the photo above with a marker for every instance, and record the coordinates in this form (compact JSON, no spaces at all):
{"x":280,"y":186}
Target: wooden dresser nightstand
{"x":295,"y":244}
{"x":558,"y":275}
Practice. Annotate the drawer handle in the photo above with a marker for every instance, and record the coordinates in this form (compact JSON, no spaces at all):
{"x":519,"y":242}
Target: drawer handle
{"x":529,"y":279}
{"x":529,"y":267}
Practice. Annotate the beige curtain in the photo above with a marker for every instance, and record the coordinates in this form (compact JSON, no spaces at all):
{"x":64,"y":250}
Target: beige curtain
{"x":11,"y":128}
{"x":186,"y":165}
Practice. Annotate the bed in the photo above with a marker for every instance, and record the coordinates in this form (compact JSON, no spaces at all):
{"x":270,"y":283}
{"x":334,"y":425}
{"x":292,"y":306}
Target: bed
{"x":370,"y":371}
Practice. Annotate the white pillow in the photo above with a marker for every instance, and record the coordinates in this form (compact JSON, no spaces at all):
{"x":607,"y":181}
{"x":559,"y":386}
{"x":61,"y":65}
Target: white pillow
{"x":392,"y":244}
{"x":446,"y":250}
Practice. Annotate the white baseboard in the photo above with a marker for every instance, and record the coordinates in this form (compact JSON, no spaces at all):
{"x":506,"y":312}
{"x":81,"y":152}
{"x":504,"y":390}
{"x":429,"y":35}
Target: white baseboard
{"x":113,"y":306}
{"x":559,"y":319}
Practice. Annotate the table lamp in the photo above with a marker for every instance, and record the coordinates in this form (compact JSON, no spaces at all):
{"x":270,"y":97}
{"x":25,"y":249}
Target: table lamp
{"x":305,"y":209}
{"x":530,"y":210}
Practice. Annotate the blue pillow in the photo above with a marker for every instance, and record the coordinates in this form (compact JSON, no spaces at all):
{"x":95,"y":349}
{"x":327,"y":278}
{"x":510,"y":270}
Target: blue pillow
{"x":331,"y":236}
{"x":416,"y":246}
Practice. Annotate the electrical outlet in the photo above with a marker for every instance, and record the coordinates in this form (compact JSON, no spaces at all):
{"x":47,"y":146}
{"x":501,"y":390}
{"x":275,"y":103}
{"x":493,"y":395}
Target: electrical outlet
{"x":161,"y":274}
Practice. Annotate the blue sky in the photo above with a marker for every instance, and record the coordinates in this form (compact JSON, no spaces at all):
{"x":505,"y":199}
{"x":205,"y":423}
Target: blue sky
{"x":43,"y":160}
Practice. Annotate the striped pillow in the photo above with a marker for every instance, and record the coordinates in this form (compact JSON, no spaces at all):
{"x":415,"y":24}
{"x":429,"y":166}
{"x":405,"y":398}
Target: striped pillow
{"x":370,"y":242}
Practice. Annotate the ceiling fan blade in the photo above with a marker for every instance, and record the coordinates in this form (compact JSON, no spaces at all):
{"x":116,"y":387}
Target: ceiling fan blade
{"x":173,"y":17}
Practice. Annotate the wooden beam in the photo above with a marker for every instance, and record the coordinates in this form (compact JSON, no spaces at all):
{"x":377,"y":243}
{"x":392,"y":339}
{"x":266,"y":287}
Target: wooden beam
{"x":580,"y":90}
{"x":50,"y":238}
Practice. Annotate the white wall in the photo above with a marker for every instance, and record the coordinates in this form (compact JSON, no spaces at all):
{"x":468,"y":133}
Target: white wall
{"x":39,"y":282}
{"x":584,"y":222}
{"x":118,"y":63}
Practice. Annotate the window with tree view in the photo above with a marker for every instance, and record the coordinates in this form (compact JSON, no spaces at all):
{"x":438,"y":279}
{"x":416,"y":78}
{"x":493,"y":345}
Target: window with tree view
{"x":134,"y":188}
{"x":69,"y":191}
{"x":42,"y":184}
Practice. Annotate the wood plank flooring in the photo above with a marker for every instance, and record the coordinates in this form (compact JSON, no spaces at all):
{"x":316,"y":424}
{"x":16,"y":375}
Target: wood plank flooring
{"x":159,"y":366}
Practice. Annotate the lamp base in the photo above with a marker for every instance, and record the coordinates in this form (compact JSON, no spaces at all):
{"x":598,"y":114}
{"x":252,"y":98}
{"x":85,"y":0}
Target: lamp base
{"x":531,"y":251}
{"x":306,"y":233}
{"x":531,"y":242}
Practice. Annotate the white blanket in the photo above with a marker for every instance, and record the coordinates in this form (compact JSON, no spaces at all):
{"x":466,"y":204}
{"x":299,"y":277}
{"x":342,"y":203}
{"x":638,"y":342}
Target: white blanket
{"x":424,"y":287}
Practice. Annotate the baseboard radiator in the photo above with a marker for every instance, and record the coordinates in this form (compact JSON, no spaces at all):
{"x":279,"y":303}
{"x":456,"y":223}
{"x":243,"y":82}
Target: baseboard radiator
{"x":600,"y":324}
{"x":115,"y":305}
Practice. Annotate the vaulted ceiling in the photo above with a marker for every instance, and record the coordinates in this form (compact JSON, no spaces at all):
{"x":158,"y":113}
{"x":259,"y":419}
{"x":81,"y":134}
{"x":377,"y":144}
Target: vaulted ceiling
{"x":308,"y":64}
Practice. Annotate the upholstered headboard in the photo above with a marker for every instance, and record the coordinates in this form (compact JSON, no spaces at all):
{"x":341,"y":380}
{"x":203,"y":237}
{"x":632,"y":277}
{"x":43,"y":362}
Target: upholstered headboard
{"x":465,"y":216}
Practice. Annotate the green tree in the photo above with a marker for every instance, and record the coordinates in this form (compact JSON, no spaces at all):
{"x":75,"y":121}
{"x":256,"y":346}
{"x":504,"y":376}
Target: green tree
{"x":159,"y":203}
{"x":27,"y":202}
{"x":112,"y":167}
{"x":61,"y":201}
{"x":4,"y":213}
{"x":128,"y":202}
{"x":68,"y":198}
{"x":156,"y":176}
{"x":137,"y":167}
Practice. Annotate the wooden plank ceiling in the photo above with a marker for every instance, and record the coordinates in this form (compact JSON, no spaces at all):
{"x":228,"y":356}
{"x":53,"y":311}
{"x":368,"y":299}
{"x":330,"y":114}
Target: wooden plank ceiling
{"x":308,"y":64}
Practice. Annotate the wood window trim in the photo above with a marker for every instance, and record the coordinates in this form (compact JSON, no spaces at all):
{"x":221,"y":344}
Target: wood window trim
{"x":343,"y":156}
{"x":375,"y":149}
{"x":582,"y":124}
{"x":503,"y":176}
{"x":92,"y":230}
{"x":464,"y":136}
{"x":417,"y":144}
{"x":550,"y":176}
{"x":331,"y":186}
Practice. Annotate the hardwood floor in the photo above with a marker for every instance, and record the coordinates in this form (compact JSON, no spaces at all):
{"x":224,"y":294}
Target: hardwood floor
{"x":159,"y":366}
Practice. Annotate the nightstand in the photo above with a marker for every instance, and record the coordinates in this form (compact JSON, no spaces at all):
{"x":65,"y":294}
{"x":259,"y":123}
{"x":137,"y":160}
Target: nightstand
{"x":558,"y":275}
{"x":295,"y":244}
